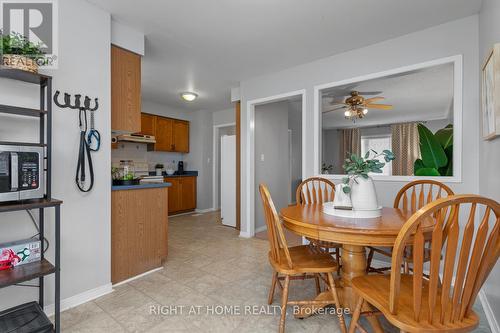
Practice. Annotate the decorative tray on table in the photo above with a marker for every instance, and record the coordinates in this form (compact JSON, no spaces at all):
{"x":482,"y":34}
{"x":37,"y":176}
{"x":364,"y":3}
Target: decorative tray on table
{"x":329,"y":209}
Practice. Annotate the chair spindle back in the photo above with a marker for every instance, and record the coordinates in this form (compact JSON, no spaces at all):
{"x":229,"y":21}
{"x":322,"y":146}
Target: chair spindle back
{"x":315,"y":190}
{"x":421,"y":192}
{"x":275,"y":234}
{"x":468,"y":264}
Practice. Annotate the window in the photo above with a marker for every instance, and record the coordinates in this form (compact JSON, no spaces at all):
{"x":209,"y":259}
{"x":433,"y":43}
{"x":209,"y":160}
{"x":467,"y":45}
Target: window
{"x":378,"y":143}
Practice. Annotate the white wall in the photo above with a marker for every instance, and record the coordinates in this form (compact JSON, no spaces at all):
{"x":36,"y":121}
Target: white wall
{"x":457,"y":37}
{"x":200,"y":156}
{"x":127,"y":38}
{"x":489,"y":151}
{"x":222,"y":117}
{"x":84,"y":67}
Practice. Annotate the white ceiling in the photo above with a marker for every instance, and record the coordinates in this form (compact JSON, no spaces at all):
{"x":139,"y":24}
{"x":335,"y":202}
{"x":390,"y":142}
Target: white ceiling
{"x":210,"y":46}
{"x":426,"y":94}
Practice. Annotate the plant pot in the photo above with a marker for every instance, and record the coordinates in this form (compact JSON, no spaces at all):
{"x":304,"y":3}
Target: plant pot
{"x":363,"y":195}
{"x":21,"y":62}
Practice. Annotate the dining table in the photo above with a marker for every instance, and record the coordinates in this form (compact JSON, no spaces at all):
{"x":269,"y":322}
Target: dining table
{"x":355,"y":234}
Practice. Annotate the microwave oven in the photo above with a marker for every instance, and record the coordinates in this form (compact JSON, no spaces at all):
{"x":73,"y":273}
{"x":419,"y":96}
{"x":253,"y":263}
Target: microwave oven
{"x":21,"y":172}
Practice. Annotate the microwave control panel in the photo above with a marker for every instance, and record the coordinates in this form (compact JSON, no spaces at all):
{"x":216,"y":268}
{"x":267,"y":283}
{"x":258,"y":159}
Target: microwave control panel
{"x":28,"y":171}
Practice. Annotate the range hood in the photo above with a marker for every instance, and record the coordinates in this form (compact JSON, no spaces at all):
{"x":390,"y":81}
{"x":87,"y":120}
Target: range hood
{"x":140,"y":138}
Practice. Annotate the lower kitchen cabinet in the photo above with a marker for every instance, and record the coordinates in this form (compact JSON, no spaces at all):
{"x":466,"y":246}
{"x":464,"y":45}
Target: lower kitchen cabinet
{"x":139,"y":231}
{"x":182,"y":194}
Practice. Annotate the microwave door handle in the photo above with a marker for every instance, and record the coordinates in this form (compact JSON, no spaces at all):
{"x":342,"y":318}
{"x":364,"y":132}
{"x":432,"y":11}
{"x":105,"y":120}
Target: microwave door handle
{"x":14,"y":171}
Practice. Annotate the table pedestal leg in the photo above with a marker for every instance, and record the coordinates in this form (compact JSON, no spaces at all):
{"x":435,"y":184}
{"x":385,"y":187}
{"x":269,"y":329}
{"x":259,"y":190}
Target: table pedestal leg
{"x":354,"y":265}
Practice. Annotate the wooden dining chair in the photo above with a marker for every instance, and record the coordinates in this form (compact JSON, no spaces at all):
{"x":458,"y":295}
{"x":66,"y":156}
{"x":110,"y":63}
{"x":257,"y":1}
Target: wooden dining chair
{"x":294,"y":262}
{"x":461,"y":260}
{"x":317,"y":190}
{"x":411,"y":198}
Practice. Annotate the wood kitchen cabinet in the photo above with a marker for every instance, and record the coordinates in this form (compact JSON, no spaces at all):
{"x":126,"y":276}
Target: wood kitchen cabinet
{"x":148,"y":124}
{"x":172,"y":135}
{"x":139,"y":231}
{"x":125,"y":90}
{"x":164,"y":134}
{"x":180,"y":136}
{"x":182,"y":194}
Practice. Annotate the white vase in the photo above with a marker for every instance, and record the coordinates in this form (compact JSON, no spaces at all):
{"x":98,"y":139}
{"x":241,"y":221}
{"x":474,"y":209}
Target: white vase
{"x":363,"y":195}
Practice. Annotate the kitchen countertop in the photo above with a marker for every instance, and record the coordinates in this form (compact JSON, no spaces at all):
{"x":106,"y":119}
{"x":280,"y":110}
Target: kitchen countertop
{"x":185,"y":174}
{"x":139,"y":187}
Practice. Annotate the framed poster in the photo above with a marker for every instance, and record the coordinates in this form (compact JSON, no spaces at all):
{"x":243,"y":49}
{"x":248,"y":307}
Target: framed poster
{"x":490,"y":94}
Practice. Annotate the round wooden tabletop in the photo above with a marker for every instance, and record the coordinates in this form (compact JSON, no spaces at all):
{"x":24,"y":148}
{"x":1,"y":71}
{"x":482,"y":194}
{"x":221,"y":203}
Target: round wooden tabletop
{"x":310,"y":221}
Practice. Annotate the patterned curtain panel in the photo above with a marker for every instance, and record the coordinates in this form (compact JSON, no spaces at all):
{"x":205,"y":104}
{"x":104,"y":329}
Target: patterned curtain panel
{"x":406,"y":148}
{"x":350,"y":143}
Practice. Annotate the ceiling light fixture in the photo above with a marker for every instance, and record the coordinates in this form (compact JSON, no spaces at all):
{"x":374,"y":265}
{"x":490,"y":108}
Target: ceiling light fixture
{"x":189,"y":96}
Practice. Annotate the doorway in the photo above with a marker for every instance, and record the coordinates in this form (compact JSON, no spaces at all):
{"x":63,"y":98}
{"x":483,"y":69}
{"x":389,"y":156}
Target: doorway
{"x":277,"y":154}
{"x":219,"y":132}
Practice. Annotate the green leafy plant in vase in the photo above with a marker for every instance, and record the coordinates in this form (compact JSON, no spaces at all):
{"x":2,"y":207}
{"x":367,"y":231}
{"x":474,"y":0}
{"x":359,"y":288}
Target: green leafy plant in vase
{"x":20,"y":53}
{"x":358,"y":182}
{"x":436,"y":152}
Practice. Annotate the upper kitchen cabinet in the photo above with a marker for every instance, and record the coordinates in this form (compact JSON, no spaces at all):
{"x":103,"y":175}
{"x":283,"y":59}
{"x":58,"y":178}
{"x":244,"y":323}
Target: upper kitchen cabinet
{"x":171,"y":135}
{"x":125,"y":90}
{"x":148,"y":124}
{"x":164,"y":134}
{"x":181,"y":136}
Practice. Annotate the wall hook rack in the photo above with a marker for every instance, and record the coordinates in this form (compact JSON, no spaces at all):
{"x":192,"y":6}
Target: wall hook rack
{"x":78,"y":104}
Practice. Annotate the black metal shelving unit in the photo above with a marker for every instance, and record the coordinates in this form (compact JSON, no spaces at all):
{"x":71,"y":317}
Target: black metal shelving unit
{"x":36,"y":270}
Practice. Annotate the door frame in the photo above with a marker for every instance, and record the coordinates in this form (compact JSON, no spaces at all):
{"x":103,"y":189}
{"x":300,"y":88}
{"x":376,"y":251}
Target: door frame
{"x":249,"y":212}
{"x":215,"y":164}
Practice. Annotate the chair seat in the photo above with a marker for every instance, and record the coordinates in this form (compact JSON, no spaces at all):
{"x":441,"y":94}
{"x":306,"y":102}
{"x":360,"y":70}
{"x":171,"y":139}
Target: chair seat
{"x":305,"y":260}
{"x":325,"y":244}
{"x":375,"y":289}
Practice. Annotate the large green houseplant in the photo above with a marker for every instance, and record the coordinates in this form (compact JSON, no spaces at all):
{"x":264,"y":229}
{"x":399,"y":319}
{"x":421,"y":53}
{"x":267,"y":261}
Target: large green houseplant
{"x":436,"y":151}
{"x":19,"y":52}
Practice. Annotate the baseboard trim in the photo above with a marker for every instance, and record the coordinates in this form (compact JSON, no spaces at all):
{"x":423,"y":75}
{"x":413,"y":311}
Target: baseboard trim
{"x":137,"y":276}
{"x":81,"y":298}
{"x":207,"y":210}
{"x":261,"y":228}
{"x":244,"y":234}
{"x":488,"y":311}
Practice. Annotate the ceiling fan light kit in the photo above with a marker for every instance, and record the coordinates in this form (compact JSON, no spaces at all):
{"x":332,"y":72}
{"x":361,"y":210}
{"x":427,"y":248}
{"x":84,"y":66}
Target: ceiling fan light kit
{"x":357,"y":106}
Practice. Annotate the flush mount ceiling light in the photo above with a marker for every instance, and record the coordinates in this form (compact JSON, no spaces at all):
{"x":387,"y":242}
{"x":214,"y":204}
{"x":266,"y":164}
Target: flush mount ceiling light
{"x":189,"y":96}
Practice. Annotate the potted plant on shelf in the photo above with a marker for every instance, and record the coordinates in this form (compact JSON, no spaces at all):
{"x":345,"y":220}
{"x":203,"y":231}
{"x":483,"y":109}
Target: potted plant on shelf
{"x":358,"y":183}
{"x":19,"y":53}
{"x":159,"y":169}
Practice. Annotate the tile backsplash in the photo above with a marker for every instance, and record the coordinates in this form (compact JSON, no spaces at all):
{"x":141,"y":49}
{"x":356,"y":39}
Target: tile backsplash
{"x":138,"y":152}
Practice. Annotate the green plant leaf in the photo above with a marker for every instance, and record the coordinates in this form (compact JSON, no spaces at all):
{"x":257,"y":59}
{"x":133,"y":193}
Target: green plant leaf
{"x":418,"y":165}
{"x":346,"y":189}
{"x":445,"y":137}
{"x":448,"y":169}
{"x":427,"y":172}
{"x":433,"y":155}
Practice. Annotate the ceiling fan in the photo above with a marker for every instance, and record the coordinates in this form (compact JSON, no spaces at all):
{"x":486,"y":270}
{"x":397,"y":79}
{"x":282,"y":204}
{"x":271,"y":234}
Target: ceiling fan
{"x":356,"y":106}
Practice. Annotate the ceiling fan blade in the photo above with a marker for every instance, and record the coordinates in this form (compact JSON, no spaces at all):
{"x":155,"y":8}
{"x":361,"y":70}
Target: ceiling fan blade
{"x":362,"y":93}
{"x":379,"y":106}
{"x":335,"y":109}
{"x":373,"y":99}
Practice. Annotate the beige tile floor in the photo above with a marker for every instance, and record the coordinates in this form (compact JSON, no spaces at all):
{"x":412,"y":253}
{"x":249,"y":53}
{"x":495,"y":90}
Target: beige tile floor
{"x":208,"y":266}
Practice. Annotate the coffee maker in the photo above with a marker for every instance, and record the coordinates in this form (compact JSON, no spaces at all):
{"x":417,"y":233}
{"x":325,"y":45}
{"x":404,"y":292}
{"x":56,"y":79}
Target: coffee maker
{"x":180,"y":167}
